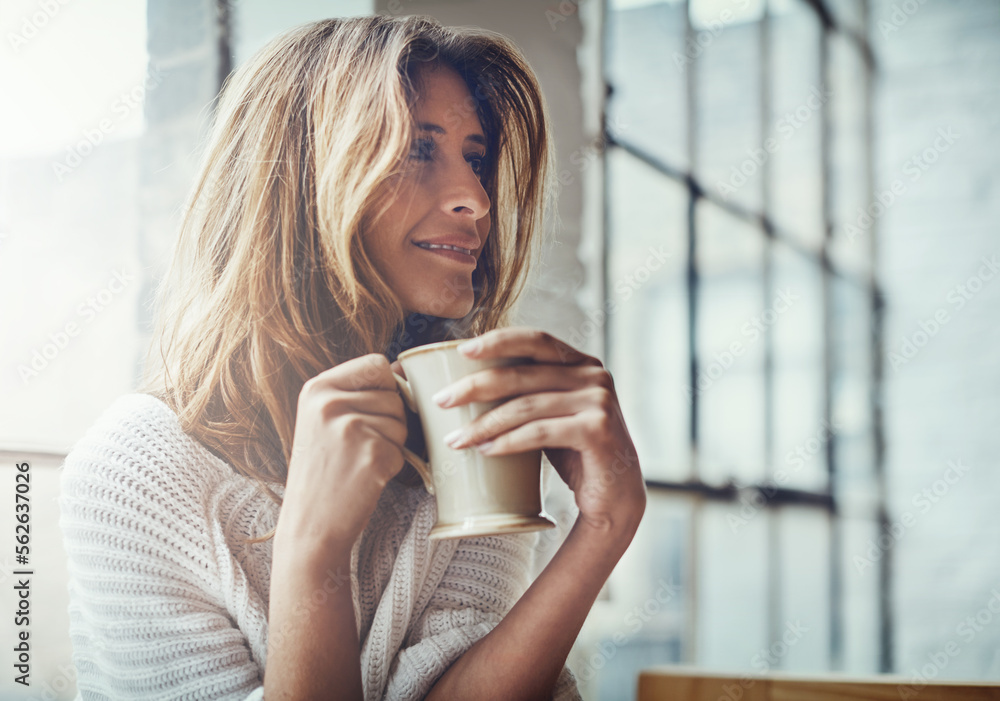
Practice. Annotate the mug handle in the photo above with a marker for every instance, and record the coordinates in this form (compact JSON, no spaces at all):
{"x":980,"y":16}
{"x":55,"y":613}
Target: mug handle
{"x":422,"y":468}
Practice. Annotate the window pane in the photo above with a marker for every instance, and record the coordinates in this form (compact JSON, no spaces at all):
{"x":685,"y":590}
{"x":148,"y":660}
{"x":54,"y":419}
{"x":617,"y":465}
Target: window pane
{"x":644,"y":620}
{"x":801,"y":637}
{"x":848,"y":14}
{"x":647,"y":107}
{"x":730,"y":381}
{"x":860,"y":586}
{"x":732,"y":589}
{"x":796,"y":314}
{"x":711,"y":14}
{"x":795,"y":126}
{"x":70,"y":254}
{"x":70,"y":111}
{"x":737,"y":320}
{"x":851,"y":397}
{"x":728,"y":112}
{"x":256,"y":22}
{"x":851,"y":201}
{"x":647,"y":311}
{"x":855,"y":486}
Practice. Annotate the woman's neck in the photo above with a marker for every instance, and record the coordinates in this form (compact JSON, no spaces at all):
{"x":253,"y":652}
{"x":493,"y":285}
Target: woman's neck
{"x":419,"y":330}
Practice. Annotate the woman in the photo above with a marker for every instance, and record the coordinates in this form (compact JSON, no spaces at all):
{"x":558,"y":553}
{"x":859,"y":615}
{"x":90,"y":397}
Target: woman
{"x":347,"y":158}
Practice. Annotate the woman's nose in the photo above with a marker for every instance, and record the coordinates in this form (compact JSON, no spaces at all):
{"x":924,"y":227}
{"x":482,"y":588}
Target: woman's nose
{"x":463,"y":190}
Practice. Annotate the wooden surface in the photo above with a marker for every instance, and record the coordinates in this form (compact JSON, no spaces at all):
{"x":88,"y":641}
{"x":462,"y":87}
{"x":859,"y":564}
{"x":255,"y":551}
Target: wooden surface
{"x":687,"y":684}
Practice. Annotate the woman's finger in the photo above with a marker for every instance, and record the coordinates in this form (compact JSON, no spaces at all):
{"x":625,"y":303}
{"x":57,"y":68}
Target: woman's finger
{"x":501,"y":382}
{"x":389,"y":427}
{"x":527,"y":342}
{"x":372,"y":371}
{"x":397,"y":367}
{"x":560,"y":432}
{"x":526,"y":408}
{"x":378,"y":402}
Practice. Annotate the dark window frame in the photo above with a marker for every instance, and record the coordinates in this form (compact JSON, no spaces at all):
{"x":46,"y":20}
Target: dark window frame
{"x":777,"y":497}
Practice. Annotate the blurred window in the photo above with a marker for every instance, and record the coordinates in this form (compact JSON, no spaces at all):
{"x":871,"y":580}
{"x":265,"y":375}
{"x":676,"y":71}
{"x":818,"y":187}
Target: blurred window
{"x":740,"y":328}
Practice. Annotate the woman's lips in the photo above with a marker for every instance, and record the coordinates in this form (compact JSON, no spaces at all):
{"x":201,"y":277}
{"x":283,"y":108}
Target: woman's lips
{"x":451,"y":254}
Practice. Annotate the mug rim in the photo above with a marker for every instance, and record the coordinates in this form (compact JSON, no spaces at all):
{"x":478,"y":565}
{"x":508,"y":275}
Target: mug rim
{"x":428,"y":347}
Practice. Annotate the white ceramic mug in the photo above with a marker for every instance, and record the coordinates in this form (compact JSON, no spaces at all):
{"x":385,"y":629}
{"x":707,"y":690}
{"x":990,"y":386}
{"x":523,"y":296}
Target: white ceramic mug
{"x":476,"y":494}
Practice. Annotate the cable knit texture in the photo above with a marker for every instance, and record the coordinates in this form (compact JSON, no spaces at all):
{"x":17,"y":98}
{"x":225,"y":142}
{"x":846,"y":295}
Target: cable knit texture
{"x":166,"y":602}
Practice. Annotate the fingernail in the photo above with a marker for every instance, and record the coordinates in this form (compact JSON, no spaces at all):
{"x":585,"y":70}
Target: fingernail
{"x":484,"y":447}
{"x":442,"y":397}
{"x":471,"y":347}
{"x":453,"y":437}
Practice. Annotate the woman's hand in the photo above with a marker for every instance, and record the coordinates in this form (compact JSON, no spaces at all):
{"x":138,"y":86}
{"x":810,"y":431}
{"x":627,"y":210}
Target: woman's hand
{"x":349,"y":427}
{"x":564,"y":403}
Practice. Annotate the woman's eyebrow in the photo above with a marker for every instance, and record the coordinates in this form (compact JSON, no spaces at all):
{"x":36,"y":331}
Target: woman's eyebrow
{"x":428,"y":126}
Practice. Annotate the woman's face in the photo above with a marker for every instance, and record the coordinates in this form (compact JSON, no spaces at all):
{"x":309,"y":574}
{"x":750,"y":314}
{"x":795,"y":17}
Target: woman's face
{"x":440,"y":202}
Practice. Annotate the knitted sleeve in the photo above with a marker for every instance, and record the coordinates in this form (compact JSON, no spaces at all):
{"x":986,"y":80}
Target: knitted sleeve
{"x":147,"y":618}
{"x":484,"y":579}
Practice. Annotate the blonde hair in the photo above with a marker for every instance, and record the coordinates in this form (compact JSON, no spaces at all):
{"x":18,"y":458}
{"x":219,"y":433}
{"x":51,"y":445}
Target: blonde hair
{"x":270,"y":282}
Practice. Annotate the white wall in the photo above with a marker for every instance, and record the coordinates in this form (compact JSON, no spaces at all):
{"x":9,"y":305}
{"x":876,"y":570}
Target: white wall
{"x":940,"y":70}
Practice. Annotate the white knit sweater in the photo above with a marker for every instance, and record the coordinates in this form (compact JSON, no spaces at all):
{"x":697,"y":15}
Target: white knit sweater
{"x":167,"y":603}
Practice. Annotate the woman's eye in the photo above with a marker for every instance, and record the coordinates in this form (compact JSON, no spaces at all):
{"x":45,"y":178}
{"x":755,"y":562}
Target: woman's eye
{"x":478,"y":163}
{"x":423,"y":150}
